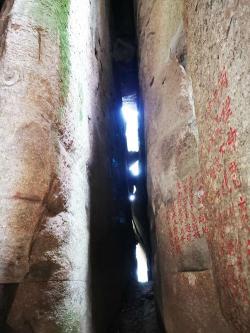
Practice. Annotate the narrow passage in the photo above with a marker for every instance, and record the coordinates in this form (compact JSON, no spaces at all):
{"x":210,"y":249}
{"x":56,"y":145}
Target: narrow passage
{"x":138,"y":312}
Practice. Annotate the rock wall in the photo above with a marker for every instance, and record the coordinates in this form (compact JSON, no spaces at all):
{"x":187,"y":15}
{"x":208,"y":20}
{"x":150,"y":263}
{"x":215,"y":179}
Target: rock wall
{"x":193,"y":69}
{"x":222,"y":95}
{"x":56,"y":93}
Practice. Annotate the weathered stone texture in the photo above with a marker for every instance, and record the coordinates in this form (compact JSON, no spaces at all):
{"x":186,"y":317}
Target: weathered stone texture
{"x":191,"y":295}
{"x":55,"y":94}
{"x":201,"y":247}
{"x":27,"y":147}
{"x":44,"y":231}
{"x":220,"y":76}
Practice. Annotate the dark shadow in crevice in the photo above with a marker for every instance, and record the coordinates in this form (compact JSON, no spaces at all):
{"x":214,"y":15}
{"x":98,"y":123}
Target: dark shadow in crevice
{"x":125,"y":64}
{"x":111,"y":236}
{"x":7,"y":295}
{"x":112,"y":242}
{"x":5,"y":7}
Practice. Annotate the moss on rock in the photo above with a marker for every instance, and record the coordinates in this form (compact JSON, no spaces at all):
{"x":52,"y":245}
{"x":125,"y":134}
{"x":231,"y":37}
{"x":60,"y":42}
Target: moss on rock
{"x":53,"y":15}
{"x":70,"y":323}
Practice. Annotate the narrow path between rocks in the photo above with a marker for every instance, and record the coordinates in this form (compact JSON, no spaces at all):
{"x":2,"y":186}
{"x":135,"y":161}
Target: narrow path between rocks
{"x":139,"y":314}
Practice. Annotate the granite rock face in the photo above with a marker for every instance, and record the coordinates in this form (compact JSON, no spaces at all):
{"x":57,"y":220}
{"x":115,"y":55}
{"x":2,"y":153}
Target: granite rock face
{"x":66,"y":246}
{"x":193,"y":69}
{"x":222,"y":94}
{"x":56,"y":93}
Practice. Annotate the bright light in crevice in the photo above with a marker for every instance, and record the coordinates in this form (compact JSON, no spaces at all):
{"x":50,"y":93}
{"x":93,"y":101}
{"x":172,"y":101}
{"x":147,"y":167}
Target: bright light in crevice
{"x":131,"y":197}
{"x":142,"y":267}
{"x":135,"y":168}
{"x":130,"y":115}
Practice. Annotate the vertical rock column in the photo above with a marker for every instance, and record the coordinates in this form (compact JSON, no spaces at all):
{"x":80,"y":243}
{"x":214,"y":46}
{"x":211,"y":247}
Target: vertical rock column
{"x":218,"y":60}
{"x":185,"y":272}
{"x":48,"y":83}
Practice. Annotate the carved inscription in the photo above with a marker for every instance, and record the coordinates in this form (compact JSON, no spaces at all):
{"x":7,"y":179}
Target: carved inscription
{"x":213,"y":203}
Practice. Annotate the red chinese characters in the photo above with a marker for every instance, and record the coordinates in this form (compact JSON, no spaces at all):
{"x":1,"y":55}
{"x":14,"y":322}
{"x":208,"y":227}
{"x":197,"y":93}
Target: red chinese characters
{"x":243,"y":209}
{"x":225,"y":188}
{"x":223,"y":79}
{"x":231,"y":137}
{"x":233,"y":169}
{"x":225,"y":112}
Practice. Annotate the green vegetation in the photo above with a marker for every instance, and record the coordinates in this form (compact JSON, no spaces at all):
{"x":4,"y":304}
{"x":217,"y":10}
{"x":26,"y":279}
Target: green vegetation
{"x":71,"y":323}
{"x":52,"y":15}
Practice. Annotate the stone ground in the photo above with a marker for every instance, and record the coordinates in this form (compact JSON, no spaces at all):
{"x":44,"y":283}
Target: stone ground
{"x":139,"y":313}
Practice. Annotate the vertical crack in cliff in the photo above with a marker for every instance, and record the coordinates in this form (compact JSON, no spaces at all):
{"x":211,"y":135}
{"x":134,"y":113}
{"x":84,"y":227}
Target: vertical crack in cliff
{"x":138,"y":313}
{"x":5,"y":8}
{"x":124,"y":50}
